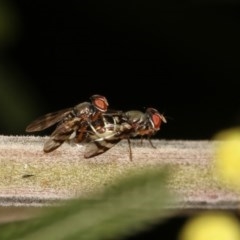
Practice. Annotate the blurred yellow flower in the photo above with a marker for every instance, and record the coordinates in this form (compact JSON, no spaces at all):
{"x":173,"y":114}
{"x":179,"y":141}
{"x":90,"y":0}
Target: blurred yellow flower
{"x":211,"y":226}
{"x":227,"y":157}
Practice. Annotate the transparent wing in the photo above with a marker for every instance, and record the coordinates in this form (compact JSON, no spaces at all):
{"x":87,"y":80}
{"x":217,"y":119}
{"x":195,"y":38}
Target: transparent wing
{"x":47,"y":120}
{"x":98,"y":147}
{"x":112,"y":130}
{"x":100,"y":143}
{"x":62,"y":133}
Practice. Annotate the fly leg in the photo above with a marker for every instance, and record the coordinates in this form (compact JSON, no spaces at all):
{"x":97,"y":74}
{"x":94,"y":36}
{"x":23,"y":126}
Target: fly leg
{"x":149,"y":139}
{"x":130,"y":149}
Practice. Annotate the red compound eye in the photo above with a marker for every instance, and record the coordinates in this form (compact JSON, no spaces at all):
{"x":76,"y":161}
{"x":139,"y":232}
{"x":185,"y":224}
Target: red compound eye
{"x":157,"y":120}
{"x":100,"y":103}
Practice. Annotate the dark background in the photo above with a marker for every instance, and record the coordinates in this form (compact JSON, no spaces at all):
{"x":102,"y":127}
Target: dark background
{"x":179,"y":57}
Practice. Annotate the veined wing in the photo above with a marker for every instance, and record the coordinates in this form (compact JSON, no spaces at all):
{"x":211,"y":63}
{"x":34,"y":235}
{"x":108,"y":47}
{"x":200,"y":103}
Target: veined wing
{"x":47,"y":120}
{"x":106,"y":134}
{"x":101,"y":142}
{"x":64,"y":132}
{"x":98,"y":147}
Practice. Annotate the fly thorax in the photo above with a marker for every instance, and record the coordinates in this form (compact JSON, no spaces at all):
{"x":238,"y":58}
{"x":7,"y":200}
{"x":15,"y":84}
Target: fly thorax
{"x":68,"y":117}
{"x":83,"y":110}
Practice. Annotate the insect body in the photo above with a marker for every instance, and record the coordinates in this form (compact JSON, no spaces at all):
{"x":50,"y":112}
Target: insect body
{"x":145,"y":124}
{"x":72,"y":122}
{"x":101,"y":129}
{"x":106,"y":133}
{"x":122,"y":125}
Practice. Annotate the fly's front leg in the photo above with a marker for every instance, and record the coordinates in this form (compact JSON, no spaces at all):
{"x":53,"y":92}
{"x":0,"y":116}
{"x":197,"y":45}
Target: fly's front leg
{"x":93,"y":128}
{"x":107,"y":125}
{"x":107,"y":132}
{"x":149,"y":139}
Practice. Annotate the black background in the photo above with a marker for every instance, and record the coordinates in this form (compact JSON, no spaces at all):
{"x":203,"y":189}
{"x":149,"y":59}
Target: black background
{"x":181,"y":58}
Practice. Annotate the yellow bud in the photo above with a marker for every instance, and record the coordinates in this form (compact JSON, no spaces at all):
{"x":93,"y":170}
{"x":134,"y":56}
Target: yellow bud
{"x":211,"y":226}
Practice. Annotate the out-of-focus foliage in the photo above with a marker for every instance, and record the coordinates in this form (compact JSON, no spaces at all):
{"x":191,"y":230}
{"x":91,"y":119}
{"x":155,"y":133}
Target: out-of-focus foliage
{"x":16,"y":102}
{"x":9,"y":24}
{"x":125,"y":208}
{"x":211,"y":225}
{"x":16,"y":99}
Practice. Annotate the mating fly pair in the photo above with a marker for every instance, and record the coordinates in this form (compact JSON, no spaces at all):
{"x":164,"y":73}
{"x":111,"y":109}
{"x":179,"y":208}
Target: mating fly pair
{"x":97,"y":126}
